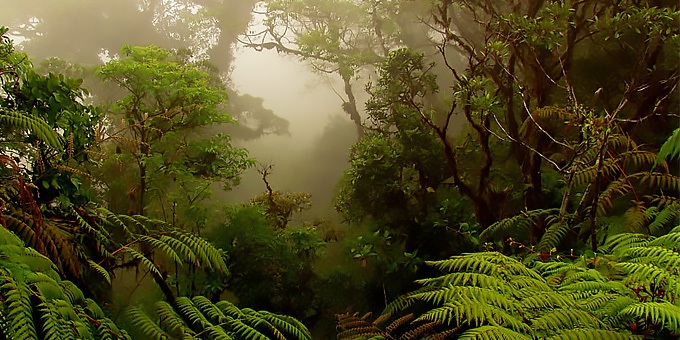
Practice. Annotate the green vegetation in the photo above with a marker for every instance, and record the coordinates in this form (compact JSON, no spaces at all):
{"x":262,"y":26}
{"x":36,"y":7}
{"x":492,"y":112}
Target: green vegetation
{"x":516,"y":176}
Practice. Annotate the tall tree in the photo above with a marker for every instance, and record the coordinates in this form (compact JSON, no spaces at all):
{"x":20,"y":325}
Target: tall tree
{"x":341,"y":37}
{"x":165,"y":125}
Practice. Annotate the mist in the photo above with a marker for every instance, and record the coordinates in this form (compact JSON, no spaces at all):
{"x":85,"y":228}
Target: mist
{"x":309,"y":147}
{"x":312,"y":157}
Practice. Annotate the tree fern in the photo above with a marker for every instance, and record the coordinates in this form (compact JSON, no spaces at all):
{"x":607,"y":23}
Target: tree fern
{"x":655,"y":314}
{"x":37,"y":304}
{"x":148,"y":327}
{"x":100,"y":270}
{"x":520,"y":224}
{"x":284,"y":325}
{"x":170,"y":320}
{"x":357,"y":329}
{"x":660,"y":220}
{"x":489,"y":295}
{"x":558,"y":319}
{"x":670,"y":149}
{"x":17,"y":307}
{"x":199,"y":318}
{"x":143,"y":259}
{"x":492,"y":332}
{"x":594,"y":334}
{"x":19,"y":121}
{"x":553,"y":235}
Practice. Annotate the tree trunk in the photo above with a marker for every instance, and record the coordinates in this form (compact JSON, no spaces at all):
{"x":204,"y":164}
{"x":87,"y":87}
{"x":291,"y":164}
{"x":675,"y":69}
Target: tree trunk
{"x":142,"y":188}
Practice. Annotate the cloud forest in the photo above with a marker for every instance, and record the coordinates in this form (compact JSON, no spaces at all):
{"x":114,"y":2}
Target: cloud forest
{"x":339,"y":169}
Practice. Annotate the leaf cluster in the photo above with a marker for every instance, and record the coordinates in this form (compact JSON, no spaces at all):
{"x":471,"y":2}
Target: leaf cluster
{"x":483,"y":295}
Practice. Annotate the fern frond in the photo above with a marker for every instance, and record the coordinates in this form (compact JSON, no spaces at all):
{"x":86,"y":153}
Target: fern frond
{"x":17,"y":301}
{"x":215,"y":332}
{"x":398,"y":323}
{"x":213,"y":314}
{"x":592,"y":334}
{"x":452,"y":294}
{"x":164,"y":248}
{"x":661,"y":219}
{"x":360,"y":333}
{"x":405,"y":301}
{"x":609,"y":168}
{"x":381,"y":319}
{"x":420,"y":331}
{"x":348,"y":321}
{"x":596,"y":301}
{"x":546,"y":300}
{"x":583,"y":275}
{"x":649,"y":275}
{"x":474,"y":313}
{"x":52,"y":322}
{"x":492,"y":332}
{"x":142,"y":259}
{"x":169,"y":319}
{"x":113,"y":219}
{"x":659,"y":180}
{"x":132,"y":221}
{"x":638,"y":158}
{"x":255,"y":319}
{"x":552,"y":236}
{"x":101,"y":235}
{"x":180,"y":248}
{"x":100,"y":270}
{"x":661,"y":256}
{"x":107,"y":330}
{"x":670,"y":240}
{"x":189,"y":311}
{"x":24,"y":231}
{"x":489,"y":263}
{"x":48,"y":290}
{"x":243,"y":331}
{"x":605,"y":200}
{"x":92,"y":309}
{"x":593,"y":287}
{"x":561,"y":318}
{"x":610,"y":313}
{"x":287,"y":325}
{"x":662,"y":314}
{"x":528,"y":285}
{"x":208,"y":255}
{"x":469,"y":279}
{"x":20,"y":121}
{"x":670,"y":148}
{"x":229,"y":309}
{"x":142,"y":322}
{"x":619,"y":243}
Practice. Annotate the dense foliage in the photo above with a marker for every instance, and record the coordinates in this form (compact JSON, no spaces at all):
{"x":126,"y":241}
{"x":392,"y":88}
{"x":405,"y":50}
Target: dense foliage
{"x":64,"y":254}
{"x":515,"y":176}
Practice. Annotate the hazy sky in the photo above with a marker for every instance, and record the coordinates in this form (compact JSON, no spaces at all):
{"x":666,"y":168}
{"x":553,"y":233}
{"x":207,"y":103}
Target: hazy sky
{"x":307,"y":101}
{"x":77,"y":30}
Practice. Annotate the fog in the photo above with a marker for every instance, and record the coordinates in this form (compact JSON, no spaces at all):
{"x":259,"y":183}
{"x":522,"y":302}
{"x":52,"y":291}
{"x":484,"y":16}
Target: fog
{"x":312,"y":158}
{"x":309,"y":157}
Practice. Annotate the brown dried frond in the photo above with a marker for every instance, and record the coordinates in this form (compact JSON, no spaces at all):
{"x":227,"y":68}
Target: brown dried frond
{"x":399,"y":322}
{"x":444,"y":335}
{"x":73,"y":170}
{"x":382,"y":318}
{"x":40,"y":163}
{"x":420,"y":331}
{"x":353,"y":323}
{"x":361,"y":332}
{"x":95,"y":153}
{"x":69,"y":146}
{"x":347,"y":320}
